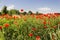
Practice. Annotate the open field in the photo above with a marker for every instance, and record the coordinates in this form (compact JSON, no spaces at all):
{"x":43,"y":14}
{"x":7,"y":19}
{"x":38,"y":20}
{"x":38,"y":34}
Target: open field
{"x":30,"y":27}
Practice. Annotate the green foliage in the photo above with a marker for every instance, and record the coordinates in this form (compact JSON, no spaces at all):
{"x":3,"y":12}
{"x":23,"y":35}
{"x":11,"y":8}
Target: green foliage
{"x":14,"y":11}
{"x":37,"y":13}
{"x":0,"y":13}
{"x":1,"y":36}
{"x":30,"y":12}
{"x":21,"y":28}
{"x":4,"y":10}
{"x":24,"y":13}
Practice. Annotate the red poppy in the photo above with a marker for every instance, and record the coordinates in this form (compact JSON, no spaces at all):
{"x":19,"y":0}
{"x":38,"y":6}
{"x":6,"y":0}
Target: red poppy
{"x":33,"y":29}
{"x":54,"y":27}
{"x":41,"y":17}
{"x":45,"y":27}
{"x":37,"y":17}
{"x":15,"y":17}
{"x":32,"y":15}
{"x":38,"y":38}
{"x":45,"y":15}
{"x":6,"y":25}
{"x":49,"y":16}
{"x":54,"y":16}
{"x":44,"y":22}
{"x":30,"y":34}
{"x":0,"y":27}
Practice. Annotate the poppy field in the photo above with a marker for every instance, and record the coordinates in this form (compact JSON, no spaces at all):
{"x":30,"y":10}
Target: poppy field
{"x":30,"y":27}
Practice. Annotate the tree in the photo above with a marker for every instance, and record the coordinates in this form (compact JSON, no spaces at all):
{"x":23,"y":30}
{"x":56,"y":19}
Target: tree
{"x":30,"y":12}
{"x":0,"y":13}
{"x":4,"y":10}
{"x":14,"y":11}
{"x":17,"y":11}
{"x":24,"y":13}
{"x":37,"y":12}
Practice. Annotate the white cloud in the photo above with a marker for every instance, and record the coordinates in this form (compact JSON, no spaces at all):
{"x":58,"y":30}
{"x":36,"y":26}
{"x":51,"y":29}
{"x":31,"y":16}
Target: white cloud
{"x":10,"y":7}
{"x":45,"y":10}
{"x":0,"y":9}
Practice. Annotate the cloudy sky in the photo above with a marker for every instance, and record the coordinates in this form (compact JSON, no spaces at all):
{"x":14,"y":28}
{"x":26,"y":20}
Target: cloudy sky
{"x":33,"y":5}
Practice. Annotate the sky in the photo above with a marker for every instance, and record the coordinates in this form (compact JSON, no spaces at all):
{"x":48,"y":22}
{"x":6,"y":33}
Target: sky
{"x":43,"y":6}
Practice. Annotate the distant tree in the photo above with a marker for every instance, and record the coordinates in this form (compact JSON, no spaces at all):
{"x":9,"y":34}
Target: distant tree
{"x":30,"y":12}
{"x":14,"y":11}
{"x":18,"y":12}
{"x":0,"y":13}
{"x":4,"y":10}
{"x":37,"y":13}
{"x":24,"y":13}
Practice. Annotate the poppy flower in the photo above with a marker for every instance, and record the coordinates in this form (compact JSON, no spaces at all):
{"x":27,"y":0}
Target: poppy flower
{"x":32,"y":15}
{"x":33,"y":29}
{"x":41,"y":17}
{"x":45,"y":15}
{"x":0,"y":27}
{"x":6,"y":25}
{"x":37,"y":17}
{"x":54,"y":27}
{"x":49,"y":16}
{"x":15,"y":17}
{"x":30,"y":34}
{"x":38,"y":38}
{"x":45,"y":27}
{"x":44,"y":22}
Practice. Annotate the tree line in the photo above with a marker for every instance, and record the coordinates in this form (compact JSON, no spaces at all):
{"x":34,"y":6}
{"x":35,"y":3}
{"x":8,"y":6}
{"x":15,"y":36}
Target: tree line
{"x":16,"y":12}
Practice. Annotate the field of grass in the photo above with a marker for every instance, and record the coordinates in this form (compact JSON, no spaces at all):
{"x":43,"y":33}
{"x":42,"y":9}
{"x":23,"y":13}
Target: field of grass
{"x":30,"y":27}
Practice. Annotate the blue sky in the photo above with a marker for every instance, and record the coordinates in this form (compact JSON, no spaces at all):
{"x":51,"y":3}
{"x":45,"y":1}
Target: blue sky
{"x":34,"y":5}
